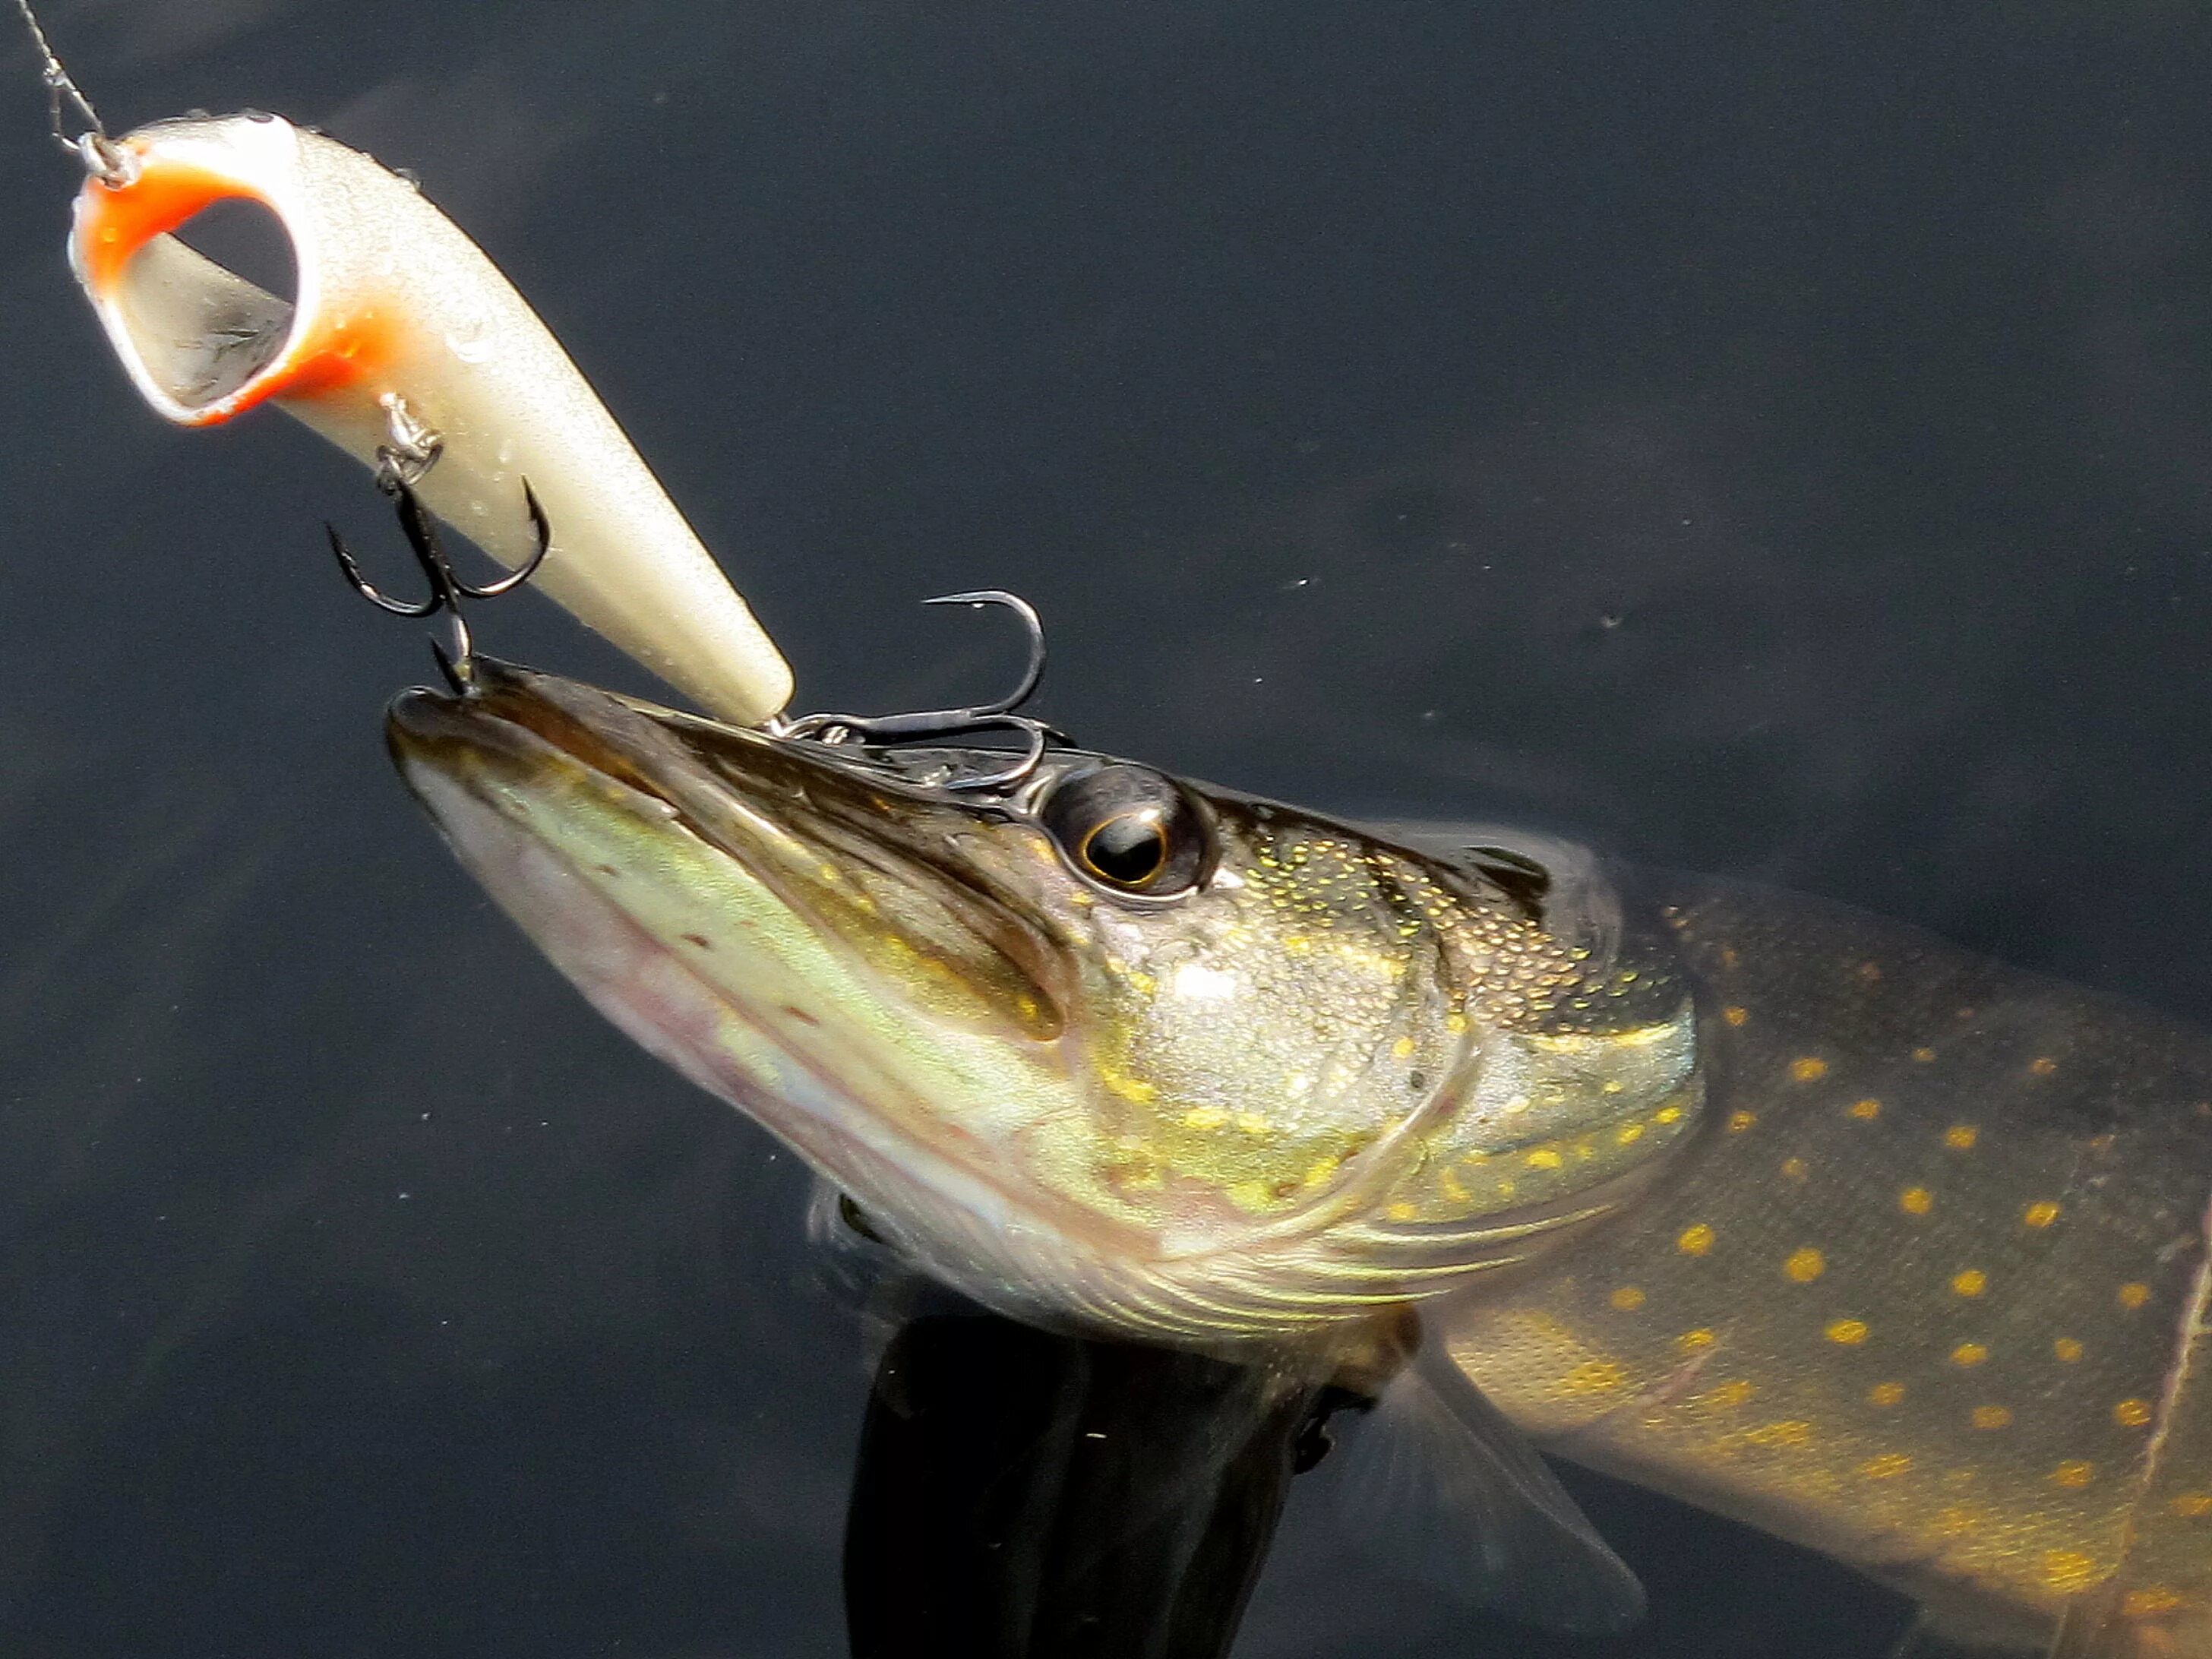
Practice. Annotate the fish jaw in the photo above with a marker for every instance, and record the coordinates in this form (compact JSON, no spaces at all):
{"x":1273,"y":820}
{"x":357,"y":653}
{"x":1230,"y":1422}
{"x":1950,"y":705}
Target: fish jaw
{"x":914,"y":1041}
{"x":699,"y":954}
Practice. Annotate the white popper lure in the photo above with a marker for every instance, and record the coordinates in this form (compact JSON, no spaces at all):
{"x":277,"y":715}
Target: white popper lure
{"x":403,"y":329}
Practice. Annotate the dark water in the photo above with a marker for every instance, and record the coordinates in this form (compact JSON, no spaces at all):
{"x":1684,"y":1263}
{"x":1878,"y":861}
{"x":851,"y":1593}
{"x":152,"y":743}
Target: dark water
{"x":1772,"y":440}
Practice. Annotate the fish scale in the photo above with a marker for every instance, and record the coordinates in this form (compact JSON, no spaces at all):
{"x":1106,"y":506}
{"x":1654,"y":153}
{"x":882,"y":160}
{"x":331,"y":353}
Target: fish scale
{"x":1916,"y":1298}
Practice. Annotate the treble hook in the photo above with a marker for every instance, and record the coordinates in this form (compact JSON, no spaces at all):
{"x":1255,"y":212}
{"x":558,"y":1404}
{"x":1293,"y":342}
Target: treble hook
{"x":997,"y":715}
{"x":447,"y":589}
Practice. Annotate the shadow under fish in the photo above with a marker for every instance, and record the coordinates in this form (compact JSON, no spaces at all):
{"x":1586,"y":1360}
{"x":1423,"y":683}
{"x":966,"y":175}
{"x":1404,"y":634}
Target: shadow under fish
{"x":1021,"y":1494}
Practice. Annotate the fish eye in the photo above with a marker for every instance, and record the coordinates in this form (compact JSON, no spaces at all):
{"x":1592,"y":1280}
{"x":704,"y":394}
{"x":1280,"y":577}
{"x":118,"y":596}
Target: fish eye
{"x":1128,"y":828}
{"x":1127,"y":850}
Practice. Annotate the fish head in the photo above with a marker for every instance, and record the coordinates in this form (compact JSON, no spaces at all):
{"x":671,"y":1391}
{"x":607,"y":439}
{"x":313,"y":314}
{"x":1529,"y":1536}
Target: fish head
{"x":1102,"y":1045}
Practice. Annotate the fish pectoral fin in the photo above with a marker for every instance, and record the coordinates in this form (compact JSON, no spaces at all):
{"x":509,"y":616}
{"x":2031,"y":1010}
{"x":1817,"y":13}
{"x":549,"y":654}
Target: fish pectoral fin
{"x":1928,"y":1637}
{"x":2125,"y":1618}
{"x":1440,"y":1488}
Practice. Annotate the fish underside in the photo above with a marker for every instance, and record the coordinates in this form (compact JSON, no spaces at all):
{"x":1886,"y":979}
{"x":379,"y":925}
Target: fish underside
{"x":1804,"y":1216}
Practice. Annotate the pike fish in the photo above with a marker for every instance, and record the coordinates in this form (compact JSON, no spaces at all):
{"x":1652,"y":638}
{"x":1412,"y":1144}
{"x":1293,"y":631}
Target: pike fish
{"x":1808,"y":1219}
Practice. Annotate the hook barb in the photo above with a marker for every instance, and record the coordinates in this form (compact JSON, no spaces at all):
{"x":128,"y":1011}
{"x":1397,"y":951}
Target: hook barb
{"x":542,"y":533}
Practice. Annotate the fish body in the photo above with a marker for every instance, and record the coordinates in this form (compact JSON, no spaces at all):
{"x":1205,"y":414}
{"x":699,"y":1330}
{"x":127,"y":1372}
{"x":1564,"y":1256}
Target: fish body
{"x":1799,"y":1215}
{"x":1928,"y":1294}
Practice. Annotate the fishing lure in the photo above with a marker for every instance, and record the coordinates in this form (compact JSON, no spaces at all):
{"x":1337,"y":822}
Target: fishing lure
{"x":406,"y":348}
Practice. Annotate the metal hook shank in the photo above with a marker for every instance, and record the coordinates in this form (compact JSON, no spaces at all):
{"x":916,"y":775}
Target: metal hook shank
{"x":447,"y":589}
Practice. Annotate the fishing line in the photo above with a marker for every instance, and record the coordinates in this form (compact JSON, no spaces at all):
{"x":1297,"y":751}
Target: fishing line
{"x":93,"y":147}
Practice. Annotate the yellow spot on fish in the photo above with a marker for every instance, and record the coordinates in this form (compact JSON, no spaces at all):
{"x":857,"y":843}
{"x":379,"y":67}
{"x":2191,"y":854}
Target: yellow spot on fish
{"x":1690,"y":1341}
{"x":1961,"y":1137}
{"x":1794,"y":1432}
{"x":2191,"y":1506}
{"x":1252,"y":1123}
{"x":1627,"y":1297}
{"x":1402,"y":1212}
{"x":1729,"y":957}
{"x":2074,"y":1472}
{"x":1734,"y":1016}
{"x":1205,"y":1117}
{"x":2041,"y":1214}
{"x":1695,"y":1241}
{"x":1667,"y":1115}
{"x":2067,"y":1349}
{"x":1794,"y":1168}
{"x":1992,"y":1417}
{"x":1869,"y":971}
{"x":1808,"y":1069}
{"x":2067,"y":1570}
{"x":1739,"y":1122}
{"x":2134,"y":1295}
{"x":1129,"y":1088}
{"x":1924,"y":1055}
{"x":1915,"y":1200}
{"x":1955,"y":1520}
{"x":1728,"y":1395}
{"x":1848,"y":1332}
{"x":1886,"y":1394}
{"x":1325,"y":1168}
{"x":1629,"y":1133}
{"x":1866,"y":1110}
{"x":1805,"y":1265}
{"x":1453,"y":1187}
{"x":1595,"y":1376}
{"x":2131,"y":1413}
{"x":2043,"y":1066}
{"x":1403,"y":1047}
{"x":1969,"y":1353}
{"x":1887,"y":1467}
{"x":2150,"y":1600}
{"x":1455,"y":1023}
{"x":1544,"y":1158}
{"x":1972,"y":1282}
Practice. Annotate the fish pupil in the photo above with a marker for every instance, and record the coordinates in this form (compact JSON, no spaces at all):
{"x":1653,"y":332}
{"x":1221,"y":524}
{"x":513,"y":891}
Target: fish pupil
{"x":1127,"y":850}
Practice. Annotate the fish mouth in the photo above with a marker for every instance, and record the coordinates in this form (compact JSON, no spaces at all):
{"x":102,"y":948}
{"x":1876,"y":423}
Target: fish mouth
{"x":800,"y":934}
